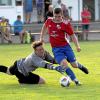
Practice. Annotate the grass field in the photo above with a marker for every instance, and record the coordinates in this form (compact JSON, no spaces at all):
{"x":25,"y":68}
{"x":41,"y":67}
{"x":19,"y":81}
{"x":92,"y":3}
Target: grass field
{"x":90,"y":90}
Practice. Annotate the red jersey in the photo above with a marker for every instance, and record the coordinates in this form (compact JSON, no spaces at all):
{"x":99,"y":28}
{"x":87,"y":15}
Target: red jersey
{"x":58,"y":32}
{"x":85,"y":13}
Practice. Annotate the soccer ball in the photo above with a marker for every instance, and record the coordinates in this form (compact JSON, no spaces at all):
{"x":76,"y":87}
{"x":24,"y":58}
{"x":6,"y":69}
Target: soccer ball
{"x":65,"y":81}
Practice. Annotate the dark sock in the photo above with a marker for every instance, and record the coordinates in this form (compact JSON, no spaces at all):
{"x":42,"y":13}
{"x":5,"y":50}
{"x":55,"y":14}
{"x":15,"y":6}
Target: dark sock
{"x":3,"y":68}
{"x":83,"y":68}
{"x":80,"y":66}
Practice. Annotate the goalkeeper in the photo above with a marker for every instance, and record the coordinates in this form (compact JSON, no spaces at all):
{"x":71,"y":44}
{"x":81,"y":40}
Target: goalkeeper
{"x":23,"y":68}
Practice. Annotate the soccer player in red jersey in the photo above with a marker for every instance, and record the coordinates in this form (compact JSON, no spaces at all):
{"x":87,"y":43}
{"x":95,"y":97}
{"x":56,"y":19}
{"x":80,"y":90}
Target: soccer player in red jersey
{"x":86,"y":16}
{"x":63,"y":53}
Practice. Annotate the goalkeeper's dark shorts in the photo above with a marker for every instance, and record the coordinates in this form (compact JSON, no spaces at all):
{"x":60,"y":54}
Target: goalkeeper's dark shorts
{"x":31,"y":78}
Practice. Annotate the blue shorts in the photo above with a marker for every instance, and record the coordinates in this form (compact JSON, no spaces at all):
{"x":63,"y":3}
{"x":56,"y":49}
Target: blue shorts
{"x":28,"y":9}
{"x":28,"y":6}
{"x":64,"y":52}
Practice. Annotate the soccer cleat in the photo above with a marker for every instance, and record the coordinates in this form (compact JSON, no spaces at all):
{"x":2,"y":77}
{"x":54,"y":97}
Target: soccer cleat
{"x":3,"y":68}
{"x":78,"y":83}
{"x":84,"y":69}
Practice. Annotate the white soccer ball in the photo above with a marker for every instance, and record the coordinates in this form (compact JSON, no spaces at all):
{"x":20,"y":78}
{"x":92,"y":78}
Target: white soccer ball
{"x":65,"y":81}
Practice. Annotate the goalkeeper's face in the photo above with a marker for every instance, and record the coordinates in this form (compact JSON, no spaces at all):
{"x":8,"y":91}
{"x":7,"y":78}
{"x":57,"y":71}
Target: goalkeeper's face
{"x":39,"y":51}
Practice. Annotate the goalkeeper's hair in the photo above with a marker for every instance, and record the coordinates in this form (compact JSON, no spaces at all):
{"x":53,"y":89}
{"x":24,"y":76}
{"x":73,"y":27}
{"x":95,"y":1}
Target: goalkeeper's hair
{"x":36,"y":44}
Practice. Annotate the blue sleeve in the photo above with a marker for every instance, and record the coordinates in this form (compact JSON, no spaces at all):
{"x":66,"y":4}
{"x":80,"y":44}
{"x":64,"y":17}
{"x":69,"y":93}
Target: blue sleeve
{"x":14,"y":23}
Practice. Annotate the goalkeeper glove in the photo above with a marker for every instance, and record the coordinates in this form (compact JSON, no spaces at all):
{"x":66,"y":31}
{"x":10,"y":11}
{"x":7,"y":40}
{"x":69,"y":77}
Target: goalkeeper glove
{"x":59,"y":69}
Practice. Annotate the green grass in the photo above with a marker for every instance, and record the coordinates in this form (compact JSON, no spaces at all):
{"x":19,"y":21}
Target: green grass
{"x":90,"y":90}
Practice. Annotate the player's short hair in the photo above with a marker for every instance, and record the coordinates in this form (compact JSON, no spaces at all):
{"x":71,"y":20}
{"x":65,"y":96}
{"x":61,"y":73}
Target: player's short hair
{"x":18,"y":16}
{"x":57,"y":10}
{"x":36,"y":44}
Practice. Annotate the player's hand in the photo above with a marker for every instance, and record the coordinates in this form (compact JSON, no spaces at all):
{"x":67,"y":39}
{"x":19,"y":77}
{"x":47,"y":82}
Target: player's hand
{"x":78,"y":49}
{"x":59,"y":69}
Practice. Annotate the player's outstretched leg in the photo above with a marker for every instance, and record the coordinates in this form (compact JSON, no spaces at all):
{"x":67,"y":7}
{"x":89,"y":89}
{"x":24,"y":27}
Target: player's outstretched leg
{"x":3,"y":69}
{"x":71,"y":74}
{"x":82,"y":68}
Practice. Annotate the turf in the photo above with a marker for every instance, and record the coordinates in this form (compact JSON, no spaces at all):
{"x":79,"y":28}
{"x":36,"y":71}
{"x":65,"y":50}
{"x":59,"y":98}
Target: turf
{"x":90,"y":90}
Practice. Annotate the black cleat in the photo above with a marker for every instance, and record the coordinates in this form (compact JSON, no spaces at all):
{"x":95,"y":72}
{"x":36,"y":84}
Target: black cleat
{"x":78,"y":83}
{"x":84,"y":69}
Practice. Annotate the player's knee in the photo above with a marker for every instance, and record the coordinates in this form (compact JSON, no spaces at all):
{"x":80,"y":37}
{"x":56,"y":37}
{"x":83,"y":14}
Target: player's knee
{"x":41,"y":81}
{"x":74,"y":64}
{"x":64,"y":63}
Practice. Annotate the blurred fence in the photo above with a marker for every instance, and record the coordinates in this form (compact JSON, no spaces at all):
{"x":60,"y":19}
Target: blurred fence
{"x":34,"y":29}
{"x":93,"y":34}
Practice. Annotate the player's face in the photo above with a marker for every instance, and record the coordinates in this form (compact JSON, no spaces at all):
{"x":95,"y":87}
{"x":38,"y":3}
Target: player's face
{"x":58,"y":17}
{"x":39,"y":51}
{"x":86,"y":8}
